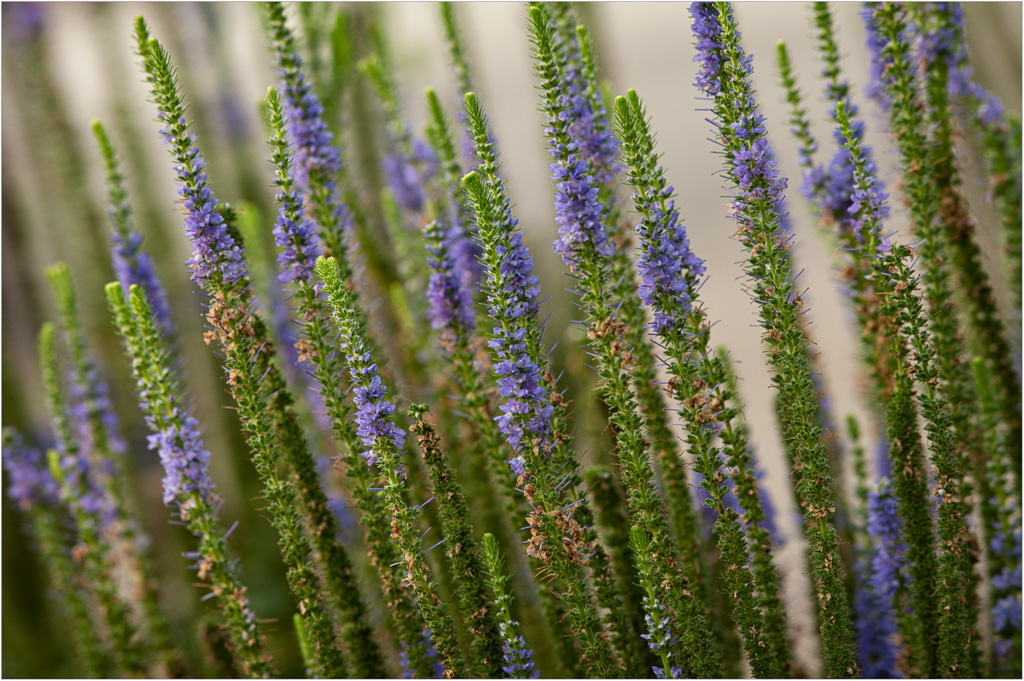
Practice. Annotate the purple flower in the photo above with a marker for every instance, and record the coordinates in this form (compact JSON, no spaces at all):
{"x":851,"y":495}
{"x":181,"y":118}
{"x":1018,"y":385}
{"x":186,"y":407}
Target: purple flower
{"x":526,"y":406}
{"x":314,"y":149}
{"x":518,"y":658}
{"x":214,"y":251}
{"x":707,"y":29}
{"x":878,"y":580}
{"x":407,"y":176}
{"x":448,"y":292}
{"x":132,"y":265}
{"x":185,"y":461}
{"x":29,"y":481}
{"x":588,"y":118}
{"x":876,"y":42}
{"x":374,"y":414}
{"x":317,"y":159}
{"x":667,"y":267}
{"x":577,"y":210}
{"x":298,"y":238}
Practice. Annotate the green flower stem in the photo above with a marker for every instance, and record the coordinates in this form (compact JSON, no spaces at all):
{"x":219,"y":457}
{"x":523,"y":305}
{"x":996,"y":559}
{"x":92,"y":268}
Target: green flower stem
{"x":906,"y":120}
{"x":737,"y":456}
{"x":1002,"y":150}
{"x":317,"y":346}
{"x":92,"y":551}
{"x":502,"y":599}
{"x":352,"y":331}
{"x":149,"y":352}
{"x":956,"y":619}
{"x":51,"y":542}
{"x":613,"y":518}
{"x":158,"y":635}
{"x":655,"y":611}
{"x":606,"y":338}
{"x":1004,"y":485}
{"x":256,"y":384}
{"x":485,"y":649}
{"x":784,"y":337}
{"x":456,"y":49}
{"x":984,"y":326}
{"x":688,"y":358}
{"x":798,"y":117}
{"x":905,"y":447}
{"x":563,"y":555}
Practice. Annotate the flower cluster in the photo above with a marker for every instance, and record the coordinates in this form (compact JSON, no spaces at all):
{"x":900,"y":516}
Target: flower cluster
{"x":518,"y":657}
{"x":214,"y":251}
{"x":512,"y":299}
{"x":29,"y":481}
{"x":451,"y":303}
{"x":185,"y":461}
{"x":706,"y":29}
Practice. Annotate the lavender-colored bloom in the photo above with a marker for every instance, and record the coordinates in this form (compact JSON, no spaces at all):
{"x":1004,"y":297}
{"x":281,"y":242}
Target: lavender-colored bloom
{"x":588,"y":128}
{"x":29,"y":481}
{"x":132,"y":265}
{"x":666,"y":264}
{"x":878,"y":70}
{"x":407,"y":176}
{"x":513,"y":298}
{"x":298,"y":239}
{"x":878,"y":580}
{"x":373,"y":412}
{"x":875,"y":626}
{"x":214,"y":251}
{"x":707,"y":29}
{"x":518,"y":658}
{"x":951,"y":41}
{"x":1006,"y":610}
{"x":403,"y":658}
{"x":659,"y":635}
{"x":577,"y":210}
{"x":314,"y":149}
{"x":450,"y":299}
{"x":185,"y":461}
{"x":91,"y":400}
{"x":315,"y":155}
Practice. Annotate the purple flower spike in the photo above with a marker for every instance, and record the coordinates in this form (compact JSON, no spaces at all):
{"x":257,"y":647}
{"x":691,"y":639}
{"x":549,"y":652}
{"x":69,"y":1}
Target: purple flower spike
{"x":132,"y":265}
{"x":451,"y":301}
{"x":577,"y":210}
{"x":314,"y":148}
{"x":879,"y":579}
{"x":29,"y":481}
{"x":707,"y":29}
{"x":181,"y":452}
{"x":518,"y":658}
{"x":666,"y":264}
{"x":298,"y":238}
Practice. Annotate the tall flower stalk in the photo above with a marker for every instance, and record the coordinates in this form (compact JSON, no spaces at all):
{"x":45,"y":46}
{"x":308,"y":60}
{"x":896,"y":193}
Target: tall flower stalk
{"x":37,"y":493}
{"x":460,"y":549}
{"x":100,"y":439}
{"x":187,"y":485}
{"x":92,"y":513}
{"x":556,"y":537}
{"x":672,"y":275}
{"x":724,"y":75}
{"x":385,"y":443}
{"x":294,"y":234}
{"x":584,"y":246}
{"x":256,"y":384}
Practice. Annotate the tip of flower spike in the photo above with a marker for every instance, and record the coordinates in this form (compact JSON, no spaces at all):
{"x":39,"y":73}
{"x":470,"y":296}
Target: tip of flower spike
{"x":114,"y":290}
{"x":53,"y":460}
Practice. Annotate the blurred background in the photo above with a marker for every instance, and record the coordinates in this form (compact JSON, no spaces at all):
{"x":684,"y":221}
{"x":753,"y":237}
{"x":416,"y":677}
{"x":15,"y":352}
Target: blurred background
{"x":66,"y":64}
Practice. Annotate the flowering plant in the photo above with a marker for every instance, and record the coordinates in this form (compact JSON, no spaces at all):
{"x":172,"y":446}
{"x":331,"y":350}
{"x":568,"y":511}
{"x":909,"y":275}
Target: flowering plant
{"x":451,"y":496}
